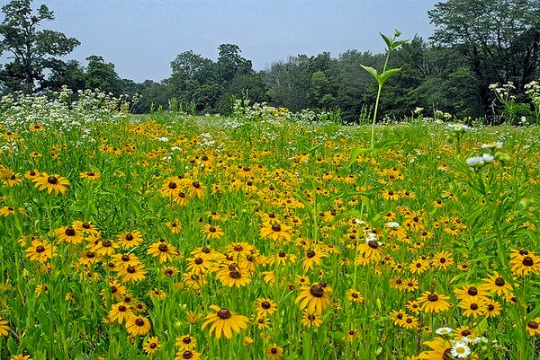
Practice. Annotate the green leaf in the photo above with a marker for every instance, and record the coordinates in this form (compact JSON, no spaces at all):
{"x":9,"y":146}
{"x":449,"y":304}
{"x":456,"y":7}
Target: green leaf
{"x":388,"y":41}
{"x":354,"y":154}
{"x":385,"y":75}
{"x":372,"y":71}
{"x":397,"y":44}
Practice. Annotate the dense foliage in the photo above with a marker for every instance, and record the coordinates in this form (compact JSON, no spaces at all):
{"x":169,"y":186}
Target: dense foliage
{"x":451,"y":72}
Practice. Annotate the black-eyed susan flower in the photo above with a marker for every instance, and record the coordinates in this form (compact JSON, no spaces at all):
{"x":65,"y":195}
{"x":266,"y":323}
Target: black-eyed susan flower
{"x":162,"y":250}
{"x":533,"y":327}
{"x":524,"y":262}
{"x":186,"y":342}
{"x":40,"y":250}
{"x":130,"y":239}
{"x":20,"y":357}
{"x":133,"y":273}
{"x":492,"y":308}
{"x":274,"y":352}
{"x":409,"y":322}
{"x":213,"y":231}
{"x":151,"y":345}
{"x":313,"y":257}
{"x":4,"y":327}
{"x":90,"y":175}
{"x":69,"y":234}
{"x":433,"y":302}
{"x":419,"y":266}
{"x":470,"y":292}
{"x":175,"y":226}
{"x":51,"y":183}
{"x":138,"y":325}
{"x":265,"y":306}
{"x":472,"y":307}
{"x":200,"y":264}
{"x":275,"y":231}
{"x":314,"y":298}
{"x":224,"y":322}
{"x":311,"y":319}
{"x":188,"y":355}
{"x":440,"y":349}
{"x":354,"y":296}
{"x":496,"y":284}
{"x":233,"y":275}
{"x":120,"y":313}
{"x":442,"y":260}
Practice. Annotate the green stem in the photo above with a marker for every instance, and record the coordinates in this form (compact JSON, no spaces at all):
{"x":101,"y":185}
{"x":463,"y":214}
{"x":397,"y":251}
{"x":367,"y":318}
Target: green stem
{"x":375,"y":117}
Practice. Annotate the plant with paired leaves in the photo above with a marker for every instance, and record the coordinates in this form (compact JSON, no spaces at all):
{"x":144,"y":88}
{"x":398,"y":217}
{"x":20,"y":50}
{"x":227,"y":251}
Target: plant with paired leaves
{"x":392,"y":44}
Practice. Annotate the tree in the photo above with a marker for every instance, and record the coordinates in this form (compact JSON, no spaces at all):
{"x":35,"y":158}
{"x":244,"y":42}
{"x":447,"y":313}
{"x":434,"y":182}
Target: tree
{"x":101,"y":75}
{"x":32,"y":51}
{"x":499,"y":38}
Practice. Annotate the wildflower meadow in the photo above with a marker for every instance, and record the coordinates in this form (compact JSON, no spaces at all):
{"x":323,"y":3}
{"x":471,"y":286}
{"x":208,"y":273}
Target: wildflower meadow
{"x":263,"y":235}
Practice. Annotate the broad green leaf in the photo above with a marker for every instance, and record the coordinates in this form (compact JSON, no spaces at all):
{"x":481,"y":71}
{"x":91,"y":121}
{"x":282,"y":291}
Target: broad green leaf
{"x":397,"y":44}
{"x":354,"y":154}
{"x":387,"y":40}
{"x":372,"y":71}
{"x":385,"y":75}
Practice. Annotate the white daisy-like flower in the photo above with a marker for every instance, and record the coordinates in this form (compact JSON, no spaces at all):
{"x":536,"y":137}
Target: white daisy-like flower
{"x":475,"y":161}
{"x":460,"y":350}
{"x":488,"y":158}
{"x":392,"y":225}
{"x":444,"y":330}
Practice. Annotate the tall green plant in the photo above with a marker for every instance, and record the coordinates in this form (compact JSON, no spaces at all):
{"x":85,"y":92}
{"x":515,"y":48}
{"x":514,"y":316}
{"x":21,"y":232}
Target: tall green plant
{"x":391,"y":44}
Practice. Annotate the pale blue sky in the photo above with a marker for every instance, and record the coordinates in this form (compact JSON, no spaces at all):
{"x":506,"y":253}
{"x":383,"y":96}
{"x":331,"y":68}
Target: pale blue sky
{"x":142,"y":37}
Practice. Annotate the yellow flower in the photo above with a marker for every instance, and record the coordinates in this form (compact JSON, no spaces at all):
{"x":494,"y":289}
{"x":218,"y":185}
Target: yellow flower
{"x":51,"y":183}
{"x":151,"y":345}
{"x":274,"y":352}
{"x":224,"y":322}
{"x":138,"y":325}
{"x":433,"y":302}
{"x":314,"y":298}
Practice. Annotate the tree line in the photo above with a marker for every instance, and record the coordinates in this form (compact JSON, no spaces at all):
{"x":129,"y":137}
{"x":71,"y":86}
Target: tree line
{"x":476,"y":43}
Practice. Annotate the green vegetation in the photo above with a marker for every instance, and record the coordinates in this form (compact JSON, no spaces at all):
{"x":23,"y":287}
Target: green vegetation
{"x":450,"y":72}
{"x":253,"y":237}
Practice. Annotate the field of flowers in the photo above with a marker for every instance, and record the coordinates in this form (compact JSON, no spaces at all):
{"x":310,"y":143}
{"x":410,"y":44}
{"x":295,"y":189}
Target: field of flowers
{"x":263,"y":236}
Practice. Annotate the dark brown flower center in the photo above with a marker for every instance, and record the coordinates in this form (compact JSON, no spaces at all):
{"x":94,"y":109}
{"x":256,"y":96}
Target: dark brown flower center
{"x":474,"y":306}
{"x":199,"y":261}
{"x":374,"y":244}
{"x":310,"y":254}
{"x":163,"y":247}
{"x":276,"y":227}
{"x":224,"y":313}
{"x":186,"y":340}
{"x":465,"y":333}
{"x":532,"y":324}
{"x":90,"y":254}
{"x":106,"y":243}
{"x":122,"y":308}
{"x":473,"y":291}
{"x":238,"y":248}
{"x":69,"y":231}
{"x":433,"y":297}
{"x":528,"y":261}
{"x":282,"y":254}
{"x":131,"y":269}
{"x":53,"y":180}
{"x":129,"y":237}
{"x":40,"y":249}
{"x":266,"y":305}
{"x":523,"y":252}
{"x":187,"y":354}
{"x":139,"y":322}
{"x":273,"y":350}
{"x":500,"y":281}
{"x":317,"y":290}
{"x":196,"y":184}
{"x":235,"y":274}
